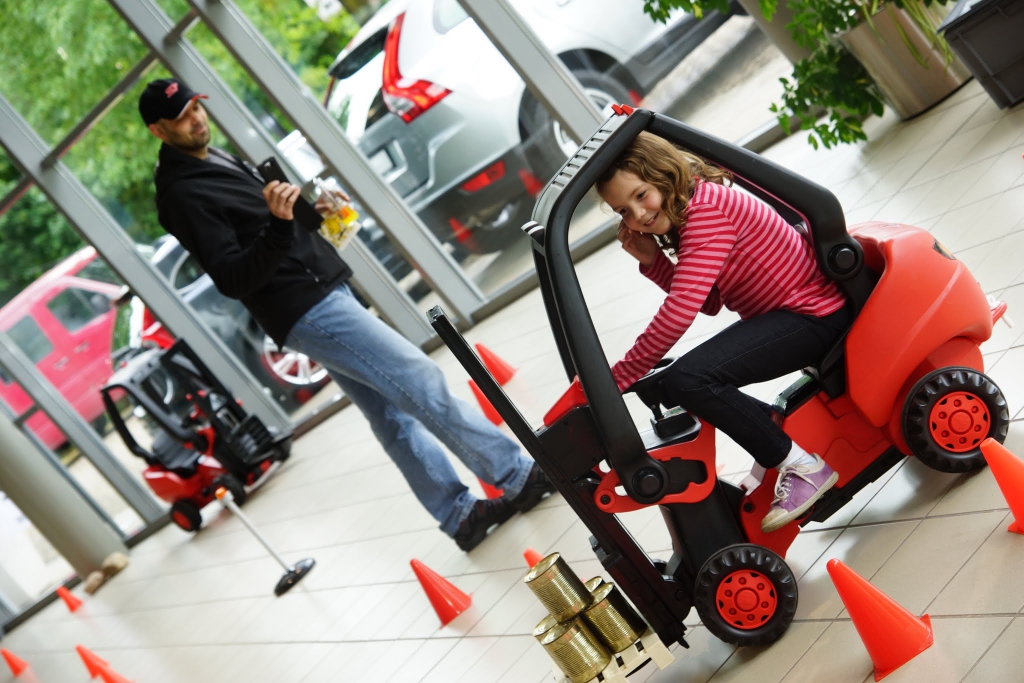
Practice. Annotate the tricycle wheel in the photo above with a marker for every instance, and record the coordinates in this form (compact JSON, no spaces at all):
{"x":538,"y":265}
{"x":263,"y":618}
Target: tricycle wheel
{"x":186,"y":515}
{"x":746,"y":595}
{"x":948,"y":413}
{"x":232,"y":484}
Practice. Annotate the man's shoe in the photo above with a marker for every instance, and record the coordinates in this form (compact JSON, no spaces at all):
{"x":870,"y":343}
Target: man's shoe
{"x":484,"y":516}
{"x":797,"y":489}
{"x":537,"y":487}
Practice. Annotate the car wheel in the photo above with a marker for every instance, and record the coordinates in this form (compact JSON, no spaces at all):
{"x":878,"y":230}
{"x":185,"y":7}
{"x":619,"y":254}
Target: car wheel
{"x":546,"y":143}
{"x":948,"y":413}
{"x":746,"y":595}
{"x":290,"y":366}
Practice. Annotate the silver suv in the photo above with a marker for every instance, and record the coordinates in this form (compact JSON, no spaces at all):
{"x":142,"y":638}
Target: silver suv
{"x":445,"y":119}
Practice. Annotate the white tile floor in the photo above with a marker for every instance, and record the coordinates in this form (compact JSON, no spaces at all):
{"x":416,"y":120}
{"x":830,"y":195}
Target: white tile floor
{"x":201,"y":609}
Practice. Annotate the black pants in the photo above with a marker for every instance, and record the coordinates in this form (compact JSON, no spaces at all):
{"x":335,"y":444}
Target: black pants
{"x":706,"y":380}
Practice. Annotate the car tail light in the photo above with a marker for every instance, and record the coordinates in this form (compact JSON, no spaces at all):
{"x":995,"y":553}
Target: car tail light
{"x":403,"y":96}
{"x":495,"y":171}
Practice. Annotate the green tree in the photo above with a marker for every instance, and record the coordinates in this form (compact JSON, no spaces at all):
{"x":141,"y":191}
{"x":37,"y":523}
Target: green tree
{"x":58,"y":59}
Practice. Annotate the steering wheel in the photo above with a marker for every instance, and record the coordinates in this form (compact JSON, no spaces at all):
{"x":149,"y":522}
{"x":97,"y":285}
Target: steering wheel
{"x":648,"y":387}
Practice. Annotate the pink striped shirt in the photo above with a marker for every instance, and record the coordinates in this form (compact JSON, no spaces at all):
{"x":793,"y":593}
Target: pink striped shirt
{"x":736,"y":251}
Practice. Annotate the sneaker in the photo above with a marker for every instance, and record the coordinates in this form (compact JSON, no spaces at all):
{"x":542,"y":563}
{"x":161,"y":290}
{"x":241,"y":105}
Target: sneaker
{"x":537,"y":488}
{"x":797,"y":489}
{"x":483,"y":517}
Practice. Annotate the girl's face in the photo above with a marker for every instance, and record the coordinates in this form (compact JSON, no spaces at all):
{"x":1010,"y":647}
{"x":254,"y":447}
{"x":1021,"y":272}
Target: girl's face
{"x":638,"y":202}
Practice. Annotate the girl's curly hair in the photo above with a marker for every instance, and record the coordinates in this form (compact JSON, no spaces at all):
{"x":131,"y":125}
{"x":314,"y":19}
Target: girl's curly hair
{"x":668,"y":168}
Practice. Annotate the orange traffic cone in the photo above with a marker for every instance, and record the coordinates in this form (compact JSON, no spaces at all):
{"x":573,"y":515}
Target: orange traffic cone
{"x":110,"y":676}
{"x":1008,"y":470}
{"x":490,"y":491}
{"x":17,"y":664}
{"x":447,"y":600}
{"x":892,"y":635}
{"x":532,"y":557}
{"x":501,"y":370}
{"x":489,"y":412}
{"x":70,"y":600}
{"x":93,"y":664}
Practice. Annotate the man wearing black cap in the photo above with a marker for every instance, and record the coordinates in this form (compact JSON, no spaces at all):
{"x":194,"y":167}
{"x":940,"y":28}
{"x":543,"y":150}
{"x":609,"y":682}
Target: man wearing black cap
{"x":296,"y":287}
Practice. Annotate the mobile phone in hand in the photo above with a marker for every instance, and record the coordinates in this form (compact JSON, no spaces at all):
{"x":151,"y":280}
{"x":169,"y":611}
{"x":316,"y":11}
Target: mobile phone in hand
{"x":305,"y":214}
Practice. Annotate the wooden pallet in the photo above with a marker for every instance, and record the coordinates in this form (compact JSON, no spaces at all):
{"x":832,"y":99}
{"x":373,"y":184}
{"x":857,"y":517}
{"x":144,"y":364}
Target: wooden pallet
{"x":648,"y":648}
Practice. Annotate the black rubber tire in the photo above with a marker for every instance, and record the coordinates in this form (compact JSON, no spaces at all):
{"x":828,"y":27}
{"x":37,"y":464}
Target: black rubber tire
{"x":929,"y":391}
{"x":738,"y":557}
{"x":545,"y":154}
{"x":232,"y":484}
{"x":186,"y":515}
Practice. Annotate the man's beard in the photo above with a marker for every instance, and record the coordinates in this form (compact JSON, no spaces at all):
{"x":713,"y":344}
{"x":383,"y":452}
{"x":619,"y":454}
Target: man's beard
{"x":190,"y":143}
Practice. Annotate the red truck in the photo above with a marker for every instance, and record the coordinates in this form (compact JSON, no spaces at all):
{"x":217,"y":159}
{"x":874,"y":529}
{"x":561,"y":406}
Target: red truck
{"x":64,"y":323}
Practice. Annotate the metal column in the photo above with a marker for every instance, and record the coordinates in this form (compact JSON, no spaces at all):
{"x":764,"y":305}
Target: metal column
{"x":33,"y":480}
{"x":546,"y":76}
{"x":78,"y":431}
{"x":343,"y":159}
{"x":166,"y":41}
{"x":100,"y":229}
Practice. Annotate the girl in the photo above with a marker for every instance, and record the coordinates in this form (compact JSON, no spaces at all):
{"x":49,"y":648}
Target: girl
{"x":731,"y":250}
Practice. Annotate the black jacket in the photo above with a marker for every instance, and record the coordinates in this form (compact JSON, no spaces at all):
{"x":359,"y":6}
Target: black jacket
{"x":278,"y":270}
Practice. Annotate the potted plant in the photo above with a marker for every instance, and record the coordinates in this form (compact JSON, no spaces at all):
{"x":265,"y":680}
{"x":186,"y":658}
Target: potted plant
{"x":862,"y":53}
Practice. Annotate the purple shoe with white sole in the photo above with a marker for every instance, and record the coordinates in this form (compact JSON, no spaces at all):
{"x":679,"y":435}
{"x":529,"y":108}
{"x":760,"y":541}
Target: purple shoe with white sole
{"x":796,"y":490}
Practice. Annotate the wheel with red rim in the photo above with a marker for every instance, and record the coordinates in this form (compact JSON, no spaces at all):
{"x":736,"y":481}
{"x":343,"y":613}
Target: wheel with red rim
{"x":186,"y":515}
{"x":746,"y":595}
{"x":948,"y":413}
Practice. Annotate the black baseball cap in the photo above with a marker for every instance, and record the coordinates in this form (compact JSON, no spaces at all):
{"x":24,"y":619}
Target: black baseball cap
{"x":167,"y":98}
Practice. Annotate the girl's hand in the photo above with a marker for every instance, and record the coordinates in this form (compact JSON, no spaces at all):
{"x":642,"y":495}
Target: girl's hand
{"x":639,"y":245}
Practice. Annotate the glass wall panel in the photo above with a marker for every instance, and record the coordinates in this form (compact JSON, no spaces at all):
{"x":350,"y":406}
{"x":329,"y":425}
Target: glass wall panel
{"x":58,"y":59}
{"x":9,"y":174}
{"x":29,"y":566}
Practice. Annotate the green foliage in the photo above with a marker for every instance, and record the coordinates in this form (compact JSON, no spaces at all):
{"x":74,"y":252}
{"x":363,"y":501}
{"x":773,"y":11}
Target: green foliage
{"x":58,"y":59}
{"x":831,"y":80}
{"x":834,"y":80}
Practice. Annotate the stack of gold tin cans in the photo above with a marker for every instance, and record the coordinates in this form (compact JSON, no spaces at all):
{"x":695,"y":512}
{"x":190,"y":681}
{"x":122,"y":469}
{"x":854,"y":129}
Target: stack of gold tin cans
{"x":587,"y":623}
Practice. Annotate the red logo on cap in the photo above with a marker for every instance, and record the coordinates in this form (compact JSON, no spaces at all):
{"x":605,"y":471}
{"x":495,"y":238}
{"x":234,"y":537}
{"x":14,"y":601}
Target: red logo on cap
{"x":171,"y":89}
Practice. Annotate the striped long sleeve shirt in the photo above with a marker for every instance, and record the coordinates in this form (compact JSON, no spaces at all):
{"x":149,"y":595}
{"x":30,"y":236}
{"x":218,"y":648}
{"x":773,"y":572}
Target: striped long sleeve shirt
{"x":735,"y":251}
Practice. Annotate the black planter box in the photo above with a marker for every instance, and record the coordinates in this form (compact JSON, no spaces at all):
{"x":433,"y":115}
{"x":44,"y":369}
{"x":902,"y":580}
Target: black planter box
{"x":988,"y":35}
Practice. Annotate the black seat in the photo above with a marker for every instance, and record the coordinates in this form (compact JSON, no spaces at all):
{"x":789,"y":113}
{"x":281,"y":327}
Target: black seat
{"x":173,"y":456}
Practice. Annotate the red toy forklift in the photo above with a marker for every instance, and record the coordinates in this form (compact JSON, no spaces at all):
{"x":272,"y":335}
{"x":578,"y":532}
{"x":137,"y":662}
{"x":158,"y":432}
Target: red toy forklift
{"x":906,"y":379}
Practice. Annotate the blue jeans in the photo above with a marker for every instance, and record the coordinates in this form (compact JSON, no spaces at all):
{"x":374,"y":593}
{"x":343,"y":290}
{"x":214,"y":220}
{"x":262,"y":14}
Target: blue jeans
{"x":406,"y":400}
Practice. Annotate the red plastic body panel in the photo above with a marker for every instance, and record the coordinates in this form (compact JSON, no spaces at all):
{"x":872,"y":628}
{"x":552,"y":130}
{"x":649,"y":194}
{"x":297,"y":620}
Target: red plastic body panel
{"x":922,"y":300}
{"x":170,"y":487}
{"x":702,"y":449}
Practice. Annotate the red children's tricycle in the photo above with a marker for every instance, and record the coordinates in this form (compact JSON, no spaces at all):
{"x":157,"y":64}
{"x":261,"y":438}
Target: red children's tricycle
{"x":906,"y":379}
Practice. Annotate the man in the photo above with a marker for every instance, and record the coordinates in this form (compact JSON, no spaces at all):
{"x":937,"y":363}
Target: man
{"x":295,"y":286}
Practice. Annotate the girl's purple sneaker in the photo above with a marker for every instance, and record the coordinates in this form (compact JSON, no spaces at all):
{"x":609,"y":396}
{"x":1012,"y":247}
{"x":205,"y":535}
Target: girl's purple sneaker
{"x":797,"y":489}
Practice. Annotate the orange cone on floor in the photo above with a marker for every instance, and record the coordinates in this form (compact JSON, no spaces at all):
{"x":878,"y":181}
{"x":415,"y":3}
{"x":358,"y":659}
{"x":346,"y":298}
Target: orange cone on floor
{"x":489,"y":412}
{"x":447,"y":600}
{"x":532,"y":557}
{"x":501,"y":370}
{"x":110,"y":676}
{"x":891,"y":634}
{"x":489,"y":490}
{"x":70,"y":600}
{"x":1008,"y":470}
{"x":93,"y":664}
{"x":17,"y":664}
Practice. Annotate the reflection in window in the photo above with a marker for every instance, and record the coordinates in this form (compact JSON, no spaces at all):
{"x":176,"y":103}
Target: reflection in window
{"x":99,"y":271}
{"x":189,"y":272}
{"x":75,"y":308}
{"x":28,"y":336}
